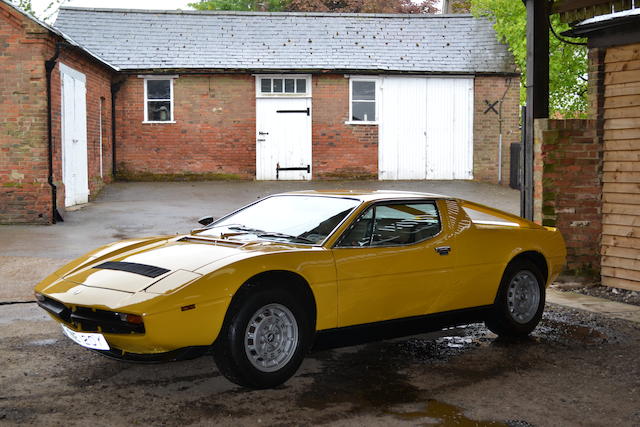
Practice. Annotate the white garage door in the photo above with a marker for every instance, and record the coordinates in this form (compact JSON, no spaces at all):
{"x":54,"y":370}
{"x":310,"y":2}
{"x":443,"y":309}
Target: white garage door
{"x":426,"y":128}
{"x":74,"y":136}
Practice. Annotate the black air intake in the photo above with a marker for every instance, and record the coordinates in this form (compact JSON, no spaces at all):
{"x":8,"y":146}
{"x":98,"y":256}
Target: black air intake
{"x":132,"y":267}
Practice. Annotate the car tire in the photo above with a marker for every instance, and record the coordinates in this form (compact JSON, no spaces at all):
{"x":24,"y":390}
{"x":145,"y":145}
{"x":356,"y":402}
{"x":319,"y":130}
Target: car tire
{"x":519,"y":304}
{"x":263,"y":340}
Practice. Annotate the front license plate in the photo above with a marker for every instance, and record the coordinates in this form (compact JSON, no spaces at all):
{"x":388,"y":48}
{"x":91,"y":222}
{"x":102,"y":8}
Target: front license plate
{"x":95,"y":341}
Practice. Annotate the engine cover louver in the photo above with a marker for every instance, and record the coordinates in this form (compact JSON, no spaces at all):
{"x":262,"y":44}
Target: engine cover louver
{"x":132,"y":267}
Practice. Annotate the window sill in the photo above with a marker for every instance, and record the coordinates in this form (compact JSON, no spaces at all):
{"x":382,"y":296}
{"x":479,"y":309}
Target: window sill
{"x":165,"y":121}
{"x":360,"y":123}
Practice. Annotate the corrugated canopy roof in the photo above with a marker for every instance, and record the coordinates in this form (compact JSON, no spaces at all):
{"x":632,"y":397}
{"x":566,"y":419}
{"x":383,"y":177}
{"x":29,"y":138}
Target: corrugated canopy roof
{"x":146,"y":39}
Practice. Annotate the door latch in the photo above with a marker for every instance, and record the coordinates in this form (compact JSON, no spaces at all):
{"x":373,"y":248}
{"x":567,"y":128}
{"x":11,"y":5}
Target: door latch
{"x":443,"y":250}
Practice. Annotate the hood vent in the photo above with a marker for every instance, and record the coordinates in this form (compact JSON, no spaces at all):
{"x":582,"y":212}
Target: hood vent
{"x":132,"y":267}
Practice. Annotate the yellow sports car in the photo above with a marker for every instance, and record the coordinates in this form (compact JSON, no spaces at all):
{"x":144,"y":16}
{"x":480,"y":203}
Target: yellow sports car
{"x":264,"y":283}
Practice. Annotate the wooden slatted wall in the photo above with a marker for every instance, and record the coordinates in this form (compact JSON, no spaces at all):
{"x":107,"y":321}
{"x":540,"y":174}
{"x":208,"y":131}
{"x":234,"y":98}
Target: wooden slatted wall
{"x":621,"y":169}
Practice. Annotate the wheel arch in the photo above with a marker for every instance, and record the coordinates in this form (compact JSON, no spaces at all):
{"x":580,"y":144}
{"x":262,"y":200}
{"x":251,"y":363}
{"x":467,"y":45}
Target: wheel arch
{"x":537,"y":258}
{"x":284,"y":279}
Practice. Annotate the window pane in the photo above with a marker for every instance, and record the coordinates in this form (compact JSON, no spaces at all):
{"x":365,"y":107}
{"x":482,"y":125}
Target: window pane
{"x":159,"y":111}
{"x":403,"y":224}
{"x":301,"y":85}
{"x":364,"y":91}
{"x":158,"y":89}
{"x":364,"y":111}
{"x":265,"y":85}
{"x":308,"y":217}
{"x":277,"y":85}
{"x":360,"y":232}
{"x":289,"y":85}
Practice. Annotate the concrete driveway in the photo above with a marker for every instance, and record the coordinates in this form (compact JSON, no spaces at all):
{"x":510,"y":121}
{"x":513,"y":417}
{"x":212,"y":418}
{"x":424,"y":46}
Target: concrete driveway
{"x":578,"y":367}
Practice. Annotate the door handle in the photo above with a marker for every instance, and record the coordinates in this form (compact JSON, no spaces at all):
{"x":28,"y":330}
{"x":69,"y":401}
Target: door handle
{"x":443,"y":250}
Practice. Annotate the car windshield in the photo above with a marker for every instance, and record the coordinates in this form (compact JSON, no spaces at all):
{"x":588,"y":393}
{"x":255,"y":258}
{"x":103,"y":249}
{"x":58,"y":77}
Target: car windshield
{"x":298,"y":219}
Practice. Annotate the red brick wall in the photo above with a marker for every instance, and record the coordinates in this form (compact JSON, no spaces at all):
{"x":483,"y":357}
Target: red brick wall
{"x":213,"y":134}
{"x":486,"y":125}
{"x":568,"y":163}
{"x":340,"y":150}
{"x":25,"y":195}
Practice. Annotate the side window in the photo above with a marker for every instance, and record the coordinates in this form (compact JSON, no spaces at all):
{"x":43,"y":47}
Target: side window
{"x":286,"y":85}
{"x":360,"y":232}
{"x":158,"y":97}
{"x":363,"y":101}
{"x":393,"y":224}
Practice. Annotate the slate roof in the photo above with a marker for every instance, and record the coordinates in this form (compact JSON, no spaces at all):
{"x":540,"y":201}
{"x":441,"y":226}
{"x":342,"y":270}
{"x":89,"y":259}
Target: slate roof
{"x":152,"y":39}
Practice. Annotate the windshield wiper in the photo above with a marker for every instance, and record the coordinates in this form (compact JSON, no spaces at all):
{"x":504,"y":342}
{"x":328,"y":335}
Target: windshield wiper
{"x":262,"y":233}
{"x":247,"y":229}
{"x":285,"y":236}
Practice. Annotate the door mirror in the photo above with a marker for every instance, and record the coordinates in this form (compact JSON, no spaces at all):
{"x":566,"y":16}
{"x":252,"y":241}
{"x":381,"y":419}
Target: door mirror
{"x":206,"y":220}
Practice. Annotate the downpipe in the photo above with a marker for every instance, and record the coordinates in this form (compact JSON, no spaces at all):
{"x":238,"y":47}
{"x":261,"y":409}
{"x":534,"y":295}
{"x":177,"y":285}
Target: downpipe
{"x":49,"y":65}
{"x":115,"y":87}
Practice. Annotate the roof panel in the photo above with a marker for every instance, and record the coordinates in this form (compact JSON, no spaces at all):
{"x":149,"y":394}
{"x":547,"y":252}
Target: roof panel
{"x":141,"y":39}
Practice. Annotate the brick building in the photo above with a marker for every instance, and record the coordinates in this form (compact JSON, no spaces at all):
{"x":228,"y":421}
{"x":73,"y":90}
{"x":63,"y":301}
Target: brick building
{"x":34,"y":57}
{"x":269,"y":96}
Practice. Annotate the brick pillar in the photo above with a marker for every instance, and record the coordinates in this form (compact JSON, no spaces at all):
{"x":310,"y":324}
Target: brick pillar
{"x":568,"y":188}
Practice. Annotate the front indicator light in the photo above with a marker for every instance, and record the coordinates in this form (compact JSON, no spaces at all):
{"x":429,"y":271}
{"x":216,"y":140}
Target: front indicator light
{"x":130,"y":318}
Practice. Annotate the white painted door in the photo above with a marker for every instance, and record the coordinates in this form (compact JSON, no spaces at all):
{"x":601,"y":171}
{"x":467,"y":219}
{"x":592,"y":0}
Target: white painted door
{"x":426,"y":128}
{"x":449,"y":128}
{"x":403,"y":128}
{"x":74,"y":137}
{"x":283,"y":138}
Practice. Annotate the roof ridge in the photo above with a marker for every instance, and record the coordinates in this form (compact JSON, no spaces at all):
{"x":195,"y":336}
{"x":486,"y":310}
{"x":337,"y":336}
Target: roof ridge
{"x":244,"y":13}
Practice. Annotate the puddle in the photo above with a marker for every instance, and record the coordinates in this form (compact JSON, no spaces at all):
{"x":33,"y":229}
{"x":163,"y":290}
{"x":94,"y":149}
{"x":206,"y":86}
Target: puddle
{"x":450,"y":343}
{"x":436,"y":413}
{"x":372,"y":375}
{"x":569,"y":334}
{"x":367,"y":378}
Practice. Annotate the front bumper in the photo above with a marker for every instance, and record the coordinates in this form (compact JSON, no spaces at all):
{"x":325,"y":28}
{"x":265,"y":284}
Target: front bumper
{"x":86,"y":319}
{"x":162,"y":332}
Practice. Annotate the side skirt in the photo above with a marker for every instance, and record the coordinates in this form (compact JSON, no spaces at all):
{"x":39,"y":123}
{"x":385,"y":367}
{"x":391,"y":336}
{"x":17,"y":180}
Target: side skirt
{"x":387,"y":329}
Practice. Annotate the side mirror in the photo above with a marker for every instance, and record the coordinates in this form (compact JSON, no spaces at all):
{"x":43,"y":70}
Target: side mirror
{"x":206,"y":220}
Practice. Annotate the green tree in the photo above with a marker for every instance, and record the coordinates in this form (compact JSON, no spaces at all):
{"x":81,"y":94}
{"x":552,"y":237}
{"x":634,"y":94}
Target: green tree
{"x":567,"y":62}
{"x":47,"y":14}
{"x":242,"y":5}
{"x":343,"y":6}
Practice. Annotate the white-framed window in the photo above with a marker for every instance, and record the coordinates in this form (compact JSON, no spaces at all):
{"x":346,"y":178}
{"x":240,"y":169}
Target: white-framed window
{"x":158,"y":99}
{"x":283,"y":85}
{"x":363,"y":100}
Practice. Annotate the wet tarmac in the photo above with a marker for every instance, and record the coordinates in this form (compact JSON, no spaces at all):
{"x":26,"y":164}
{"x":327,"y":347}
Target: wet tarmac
{"x":577,"y":368}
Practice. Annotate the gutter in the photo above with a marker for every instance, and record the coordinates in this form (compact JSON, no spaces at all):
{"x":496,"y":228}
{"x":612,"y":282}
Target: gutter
{"x":49,"y":65}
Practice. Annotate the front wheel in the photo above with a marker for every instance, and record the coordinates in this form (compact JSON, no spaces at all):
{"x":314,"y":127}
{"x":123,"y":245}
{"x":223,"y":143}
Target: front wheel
{"x":520,"y":301}
{"x":263,"y":340}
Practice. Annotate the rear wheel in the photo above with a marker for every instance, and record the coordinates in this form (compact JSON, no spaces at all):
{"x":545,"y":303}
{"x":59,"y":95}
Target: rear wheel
{"x":263,"y":340}
{"x":520,"y":301}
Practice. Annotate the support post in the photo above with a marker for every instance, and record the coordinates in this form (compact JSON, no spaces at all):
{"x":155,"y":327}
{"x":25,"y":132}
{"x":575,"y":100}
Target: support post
{"x":537,"y":92}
